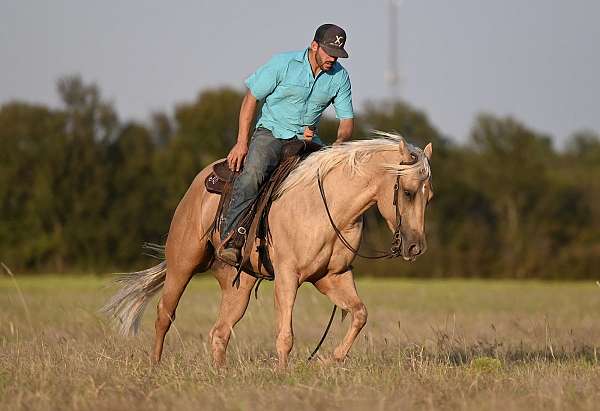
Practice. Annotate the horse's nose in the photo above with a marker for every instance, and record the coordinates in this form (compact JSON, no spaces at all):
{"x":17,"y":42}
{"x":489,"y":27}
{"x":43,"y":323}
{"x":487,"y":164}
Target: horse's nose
{"x":414,"y":250}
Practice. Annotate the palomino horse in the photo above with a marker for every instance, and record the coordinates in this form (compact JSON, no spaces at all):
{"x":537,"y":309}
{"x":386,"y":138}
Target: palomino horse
{"x":384,"y":171}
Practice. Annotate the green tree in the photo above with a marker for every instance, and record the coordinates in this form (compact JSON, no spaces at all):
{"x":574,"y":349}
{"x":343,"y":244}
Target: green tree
{"x":205,"y":131}
{"x":91,"y":123}
{"x":513,"y":173}
{"x":31,"y":228}
{"x":134,"y":208}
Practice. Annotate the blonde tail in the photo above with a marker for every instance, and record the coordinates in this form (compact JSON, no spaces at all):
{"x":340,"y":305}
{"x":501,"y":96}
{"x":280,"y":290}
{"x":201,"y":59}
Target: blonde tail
{"x":127,"y":305}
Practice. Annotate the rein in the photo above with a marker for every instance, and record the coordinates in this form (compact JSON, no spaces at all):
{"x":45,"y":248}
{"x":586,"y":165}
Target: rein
{"x":395,"y":248}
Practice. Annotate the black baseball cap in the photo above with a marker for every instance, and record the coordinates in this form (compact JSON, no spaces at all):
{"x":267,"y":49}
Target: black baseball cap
{"x":332,"y":38}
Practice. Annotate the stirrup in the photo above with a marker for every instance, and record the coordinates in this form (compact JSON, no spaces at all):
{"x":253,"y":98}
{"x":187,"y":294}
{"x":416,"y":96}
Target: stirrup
{"x":230,"y":250}
{"x":230,"y":255}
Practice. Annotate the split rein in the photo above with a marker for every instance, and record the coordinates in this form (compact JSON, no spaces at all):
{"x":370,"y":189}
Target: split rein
{"x":396,"y":239}
{"x":395,"y":248}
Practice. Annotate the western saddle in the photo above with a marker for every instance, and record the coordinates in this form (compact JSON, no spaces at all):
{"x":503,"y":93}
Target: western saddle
{"x":254,"y":224}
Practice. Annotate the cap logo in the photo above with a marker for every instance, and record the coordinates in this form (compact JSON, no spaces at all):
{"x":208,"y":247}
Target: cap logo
{"x":338,"y":41}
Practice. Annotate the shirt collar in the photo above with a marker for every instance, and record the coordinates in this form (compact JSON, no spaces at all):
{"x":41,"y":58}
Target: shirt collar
{"x":302,"y":55}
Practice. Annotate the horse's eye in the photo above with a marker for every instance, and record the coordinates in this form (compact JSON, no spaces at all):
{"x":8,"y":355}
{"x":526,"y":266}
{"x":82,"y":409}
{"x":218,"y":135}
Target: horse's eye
{"x":407,"y":194}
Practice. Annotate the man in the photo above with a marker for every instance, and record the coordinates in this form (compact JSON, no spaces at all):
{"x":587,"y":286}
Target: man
{"x":295,"y":88}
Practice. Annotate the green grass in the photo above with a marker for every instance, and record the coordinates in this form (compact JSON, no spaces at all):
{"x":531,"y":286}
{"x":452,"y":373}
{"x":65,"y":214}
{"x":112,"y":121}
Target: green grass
{"x":443,"y":344}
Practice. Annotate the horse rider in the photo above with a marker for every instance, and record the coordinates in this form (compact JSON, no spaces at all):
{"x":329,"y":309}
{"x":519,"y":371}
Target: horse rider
{"x":295,"y":88}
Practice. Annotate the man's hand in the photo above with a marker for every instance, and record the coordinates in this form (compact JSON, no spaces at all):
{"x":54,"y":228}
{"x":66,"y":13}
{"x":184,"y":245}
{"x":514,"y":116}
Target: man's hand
{"x":235,"y":158}
{"x":309,"y":133}
{"x":345,"y":129}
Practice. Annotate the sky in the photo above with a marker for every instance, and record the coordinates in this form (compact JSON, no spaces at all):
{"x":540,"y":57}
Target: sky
{"x":537,"y":60}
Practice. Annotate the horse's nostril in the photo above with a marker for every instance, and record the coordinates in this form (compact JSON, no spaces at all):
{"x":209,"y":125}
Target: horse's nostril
{"x":414,"y":250}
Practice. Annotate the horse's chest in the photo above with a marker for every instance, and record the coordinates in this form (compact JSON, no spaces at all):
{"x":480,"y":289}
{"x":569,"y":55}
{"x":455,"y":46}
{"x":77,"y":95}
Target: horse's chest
{"x":309,"y":255}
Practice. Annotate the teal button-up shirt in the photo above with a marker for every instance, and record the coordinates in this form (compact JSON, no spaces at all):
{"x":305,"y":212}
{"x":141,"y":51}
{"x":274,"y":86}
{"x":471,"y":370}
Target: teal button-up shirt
{"x":293,"y":98}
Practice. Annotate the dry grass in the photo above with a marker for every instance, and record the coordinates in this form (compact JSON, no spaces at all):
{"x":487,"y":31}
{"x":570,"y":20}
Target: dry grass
{"x":428,"y":344}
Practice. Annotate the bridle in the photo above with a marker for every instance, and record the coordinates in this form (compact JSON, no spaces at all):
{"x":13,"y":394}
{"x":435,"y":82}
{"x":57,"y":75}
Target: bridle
{"x":396,"y":246}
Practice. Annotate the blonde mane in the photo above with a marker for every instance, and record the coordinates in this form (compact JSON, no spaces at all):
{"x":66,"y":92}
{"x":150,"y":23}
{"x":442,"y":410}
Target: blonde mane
{"x":354,"y":155}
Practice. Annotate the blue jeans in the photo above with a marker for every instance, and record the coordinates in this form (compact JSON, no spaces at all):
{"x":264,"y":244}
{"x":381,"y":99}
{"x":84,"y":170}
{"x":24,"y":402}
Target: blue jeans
{"x":263,"y":156}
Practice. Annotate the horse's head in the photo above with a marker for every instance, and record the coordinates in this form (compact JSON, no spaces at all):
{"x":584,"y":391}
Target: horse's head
{"x":404,"y":194}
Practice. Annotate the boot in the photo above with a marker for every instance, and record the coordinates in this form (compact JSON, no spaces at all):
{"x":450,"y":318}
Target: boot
{"x":231,"y":251}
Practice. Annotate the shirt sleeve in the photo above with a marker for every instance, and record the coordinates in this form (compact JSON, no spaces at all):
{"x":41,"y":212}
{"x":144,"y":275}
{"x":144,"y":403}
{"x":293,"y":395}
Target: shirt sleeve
{"x":342,"y":102}
{"x":263,"y":81}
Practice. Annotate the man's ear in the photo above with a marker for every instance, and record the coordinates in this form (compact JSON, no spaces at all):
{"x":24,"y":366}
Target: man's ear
{"x":314,"y":46}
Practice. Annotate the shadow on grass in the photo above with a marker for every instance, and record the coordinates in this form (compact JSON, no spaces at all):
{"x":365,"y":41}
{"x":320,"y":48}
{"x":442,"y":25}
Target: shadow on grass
{"x":462,"y":354}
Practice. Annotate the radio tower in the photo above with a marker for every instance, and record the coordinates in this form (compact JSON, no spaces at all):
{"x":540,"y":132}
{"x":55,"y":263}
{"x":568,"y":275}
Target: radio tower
{"x":392,"y":74}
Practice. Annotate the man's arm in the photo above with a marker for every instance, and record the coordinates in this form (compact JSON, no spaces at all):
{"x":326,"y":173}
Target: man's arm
{"x":345,"y":129}
{"x":236,"y":156}
{"x":344,"y":110}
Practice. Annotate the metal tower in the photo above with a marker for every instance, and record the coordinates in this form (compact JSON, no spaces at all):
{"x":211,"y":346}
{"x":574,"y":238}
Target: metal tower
{"x":392,"y":74}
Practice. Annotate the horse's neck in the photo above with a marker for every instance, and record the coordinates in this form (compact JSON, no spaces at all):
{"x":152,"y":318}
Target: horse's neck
{"x":348,"y":196}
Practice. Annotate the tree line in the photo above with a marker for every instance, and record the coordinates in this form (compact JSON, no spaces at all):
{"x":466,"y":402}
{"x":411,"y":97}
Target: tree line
{"x":81,"y":190}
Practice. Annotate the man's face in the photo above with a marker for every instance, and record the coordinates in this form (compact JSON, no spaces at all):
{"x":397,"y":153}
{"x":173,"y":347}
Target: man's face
{"x":324,"y":61}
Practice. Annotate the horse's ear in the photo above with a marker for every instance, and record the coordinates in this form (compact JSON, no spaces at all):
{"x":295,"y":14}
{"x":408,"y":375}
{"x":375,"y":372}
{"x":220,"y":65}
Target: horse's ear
{"x":402,"y":148}
{"x":428,"y":151}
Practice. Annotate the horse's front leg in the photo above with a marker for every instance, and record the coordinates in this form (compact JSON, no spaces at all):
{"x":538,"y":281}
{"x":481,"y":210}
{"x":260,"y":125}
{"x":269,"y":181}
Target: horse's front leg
{"x":341,"y":290}
{"x":234,"y":302}
{"x":286,"y":288}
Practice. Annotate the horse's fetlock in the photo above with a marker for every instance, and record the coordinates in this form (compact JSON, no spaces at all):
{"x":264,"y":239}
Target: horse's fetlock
{"x":219,"y":335}
{"x":285,"y":338}
{"x":339,"y":354}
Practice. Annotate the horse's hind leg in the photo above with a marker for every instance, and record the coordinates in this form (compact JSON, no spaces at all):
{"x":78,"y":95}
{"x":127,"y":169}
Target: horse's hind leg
{"x":175,"y":283}
{"x":341,"y":291}
{"x":182,"y":260}
{"x":234,"y":302}
{"x":286,"y":288}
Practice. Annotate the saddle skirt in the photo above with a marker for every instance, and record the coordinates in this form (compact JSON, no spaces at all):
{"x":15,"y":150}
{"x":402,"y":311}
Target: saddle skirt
{"x":254,"y":225}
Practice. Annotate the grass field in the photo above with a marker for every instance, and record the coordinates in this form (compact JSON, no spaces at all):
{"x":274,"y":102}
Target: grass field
{"x":439,"y":344}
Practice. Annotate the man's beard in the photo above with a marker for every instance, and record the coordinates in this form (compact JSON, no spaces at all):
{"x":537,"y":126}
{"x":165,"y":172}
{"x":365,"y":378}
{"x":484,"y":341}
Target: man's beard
{"x":323,"y":65}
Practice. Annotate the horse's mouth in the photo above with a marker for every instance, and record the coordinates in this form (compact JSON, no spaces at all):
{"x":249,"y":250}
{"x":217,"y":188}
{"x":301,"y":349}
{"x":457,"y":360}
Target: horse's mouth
{"x":412,"y":251}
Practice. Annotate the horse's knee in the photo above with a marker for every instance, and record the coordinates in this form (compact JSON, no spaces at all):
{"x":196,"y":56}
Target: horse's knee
{"x":359,"y":315}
